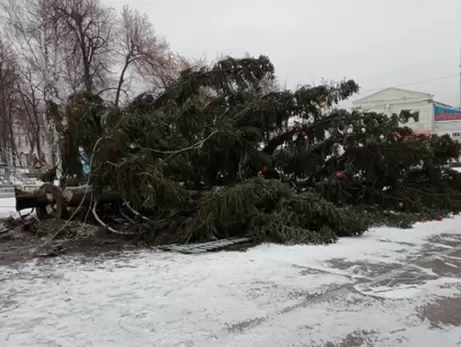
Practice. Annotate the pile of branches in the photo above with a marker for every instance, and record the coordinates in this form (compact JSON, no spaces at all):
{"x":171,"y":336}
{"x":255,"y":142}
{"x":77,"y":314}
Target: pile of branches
{"x":216,"y":155}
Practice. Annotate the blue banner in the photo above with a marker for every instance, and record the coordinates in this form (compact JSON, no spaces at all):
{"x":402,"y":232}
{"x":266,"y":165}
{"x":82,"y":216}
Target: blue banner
{"x":84,"y":161}
{"x":446,"y":113}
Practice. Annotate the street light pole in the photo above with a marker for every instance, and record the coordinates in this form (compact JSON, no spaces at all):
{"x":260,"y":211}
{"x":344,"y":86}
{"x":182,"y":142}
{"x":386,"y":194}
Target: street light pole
{"x":459,"y":104}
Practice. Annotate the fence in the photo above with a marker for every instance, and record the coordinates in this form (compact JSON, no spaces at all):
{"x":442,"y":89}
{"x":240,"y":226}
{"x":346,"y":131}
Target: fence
{"x":7,"y":190}
{"x":11,"y":177}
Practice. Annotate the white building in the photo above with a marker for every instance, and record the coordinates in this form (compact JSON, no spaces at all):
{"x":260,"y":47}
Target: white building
{"x":23,"y":157}
{"x":434,"y":117}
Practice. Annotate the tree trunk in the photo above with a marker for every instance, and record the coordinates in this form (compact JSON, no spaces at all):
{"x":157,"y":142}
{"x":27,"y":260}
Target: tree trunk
{"x":121,"y":80}
{"x":71,"y":196}
{"x":39,"y":146}
{"x":25,"y":200}
{"x":14,"y":151}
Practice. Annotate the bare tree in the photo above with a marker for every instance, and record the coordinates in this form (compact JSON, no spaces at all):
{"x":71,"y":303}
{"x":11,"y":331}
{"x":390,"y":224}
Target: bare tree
{"x":63,"y":46}
{"x":85,"y":31}
{"x":164,"y":75}
{"x":33,"y":110}
{"x":69,"y":46}
{"x":138,"y":45}
{"x":35,"y":40}
{"x":8,"y":79}
{"x":145,"y":54}
{"x":36,"y":43}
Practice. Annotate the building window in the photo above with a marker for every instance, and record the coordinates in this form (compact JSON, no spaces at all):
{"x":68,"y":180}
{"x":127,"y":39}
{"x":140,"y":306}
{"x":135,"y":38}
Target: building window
{"x":456,"y":136}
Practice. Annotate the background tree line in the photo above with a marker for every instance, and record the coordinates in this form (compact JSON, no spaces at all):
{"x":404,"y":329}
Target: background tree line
{"x":52,"y":49}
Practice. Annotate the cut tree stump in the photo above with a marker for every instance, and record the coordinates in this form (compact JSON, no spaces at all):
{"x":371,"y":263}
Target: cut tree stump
{"x":25,"y":200}
{"x":55,"y":206}
{"x":47,"y":201}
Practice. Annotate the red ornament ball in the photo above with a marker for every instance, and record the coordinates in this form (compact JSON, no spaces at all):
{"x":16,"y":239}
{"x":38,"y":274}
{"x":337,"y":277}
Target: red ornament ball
{"x":264,"y":169}
{"x":340,"y":174}
{"x":425,"y":218}
{"x":439,"y":218}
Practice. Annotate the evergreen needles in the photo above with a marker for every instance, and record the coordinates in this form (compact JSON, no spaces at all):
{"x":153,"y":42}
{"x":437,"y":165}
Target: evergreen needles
{"x":218,"y":154}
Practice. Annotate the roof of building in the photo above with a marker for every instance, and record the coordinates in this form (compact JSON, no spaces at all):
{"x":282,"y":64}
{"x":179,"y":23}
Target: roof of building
{"x":442,"y":104}
{"x":405,"y":92}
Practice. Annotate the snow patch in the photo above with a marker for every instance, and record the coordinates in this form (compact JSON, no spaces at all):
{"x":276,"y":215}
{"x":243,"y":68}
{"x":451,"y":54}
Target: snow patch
{"x":7,"y":208}
{"x":271,"y":295}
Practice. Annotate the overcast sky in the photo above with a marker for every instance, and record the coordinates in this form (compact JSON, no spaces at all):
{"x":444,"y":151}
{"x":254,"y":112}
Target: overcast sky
{"x":379,"y":43}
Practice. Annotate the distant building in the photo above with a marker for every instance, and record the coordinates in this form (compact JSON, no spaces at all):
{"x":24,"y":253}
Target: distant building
{"x":23,"y":156}
{"x":434,"y":117}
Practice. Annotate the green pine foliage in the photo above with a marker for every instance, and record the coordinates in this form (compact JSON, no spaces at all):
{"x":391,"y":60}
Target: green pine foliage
{"x":215,"y":156}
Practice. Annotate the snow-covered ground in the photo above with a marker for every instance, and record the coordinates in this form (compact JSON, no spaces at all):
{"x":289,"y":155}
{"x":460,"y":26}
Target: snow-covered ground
{"x":7,"y":207}
{"x":390,"y":287}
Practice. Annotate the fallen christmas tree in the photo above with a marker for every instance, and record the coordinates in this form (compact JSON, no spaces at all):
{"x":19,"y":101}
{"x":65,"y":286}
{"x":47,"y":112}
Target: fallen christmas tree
{"x":216,"y":156}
